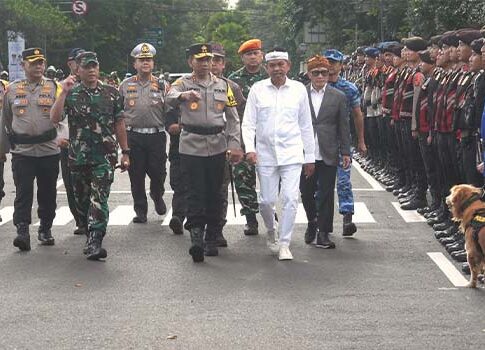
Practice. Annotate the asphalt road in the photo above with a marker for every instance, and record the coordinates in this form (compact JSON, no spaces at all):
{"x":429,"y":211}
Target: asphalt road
{"x":378,"y":290}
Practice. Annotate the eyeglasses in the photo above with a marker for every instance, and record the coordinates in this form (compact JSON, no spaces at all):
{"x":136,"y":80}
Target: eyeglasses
{"x":316,"y":73}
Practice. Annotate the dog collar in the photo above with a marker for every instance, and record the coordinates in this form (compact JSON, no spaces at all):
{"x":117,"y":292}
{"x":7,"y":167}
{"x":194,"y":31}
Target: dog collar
{"x":473,"y":198}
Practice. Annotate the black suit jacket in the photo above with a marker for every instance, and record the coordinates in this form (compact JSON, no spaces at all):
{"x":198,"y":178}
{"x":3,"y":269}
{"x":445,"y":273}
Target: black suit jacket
{"x":331,"y":124}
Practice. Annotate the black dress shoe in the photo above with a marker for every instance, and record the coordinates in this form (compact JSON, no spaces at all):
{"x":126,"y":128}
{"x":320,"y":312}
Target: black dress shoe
{"x":414,"y":204}
{"x":442,"y":226}
{"x":22,"y":241}
{"x":443,"y":234}
{"x":447,"y":240}
{"x":465,"y":268}
{"x":423,"y":211}
{"x":459,"y":256}
{"x":197,"y":248}
{"x":160,"y":206}
{"x":210,"y":248}
{"x":45,"y":236}
{"x":311,"y":232}
{"x":454,"y":247}
{"x":80,"y":231}
{"x":176,"y":225}
{"x":220,"y":240}
{"x":140,"y":218}
{"x":323,"y":241}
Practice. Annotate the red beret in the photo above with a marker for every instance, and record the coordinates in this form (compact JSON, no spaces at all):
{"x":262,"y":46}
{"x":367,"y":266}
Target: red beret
{"x":253,"y":44}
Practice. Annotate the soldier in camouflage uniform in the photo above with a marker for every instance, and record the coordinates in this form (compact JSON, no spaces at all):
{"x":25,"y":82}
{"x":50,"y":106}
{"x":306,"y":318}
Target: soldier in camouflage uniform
{"x":94,"y":113}
{"x":245,"y":173}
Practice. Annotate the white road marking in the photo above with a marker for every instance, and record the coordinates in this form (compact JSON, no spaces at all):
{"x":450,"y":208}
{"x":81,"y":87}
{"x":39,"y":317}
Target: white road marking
{"x":121,"y":216}
{"x":59,"y":183}
{"x":362,"y":214}
{"x":408,"y":215}
{"x":63,"y":217}
{"x":450,"y":271}
{"x":376,"y":186}
{"x":7,"y":215}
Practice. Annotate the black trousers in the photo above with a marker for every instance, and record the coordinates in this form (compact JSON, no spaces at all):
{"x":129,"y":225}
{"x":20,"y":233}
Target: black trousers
{"x":468,"y":148}
{"x":2,"y":181}
{"x":448,"y":160}
{"x":326,"y":175}
{"x":308,"y":189}
{"x":25,"y":170}
{"x":178,"y":180}
{"x":401,"y":165}
{"x":430,"y":160}
{"x":371,"y":136}
{"x":205,"y":177}
{"x":66,"y":178}
{"x":147,"y":157}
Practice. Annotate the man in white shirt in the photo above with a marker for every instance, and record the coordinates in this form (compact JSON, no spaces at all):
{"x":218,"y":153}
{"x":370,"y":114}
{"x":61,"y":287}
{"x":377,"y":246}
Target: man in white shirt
{"x":278,"y":134}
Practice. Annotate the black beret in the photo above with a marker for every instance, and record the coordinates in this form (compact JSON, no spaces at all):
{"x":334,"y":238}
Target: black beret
{"x":477,"y":44}
{"x":73,"y":53}
{"x":426,"y":57}
{"x":395,"y":49}
{"x":468,"y":35}
{"x":450,"y":39}
{"x":435,"y":40}
{"x":415,"y":43}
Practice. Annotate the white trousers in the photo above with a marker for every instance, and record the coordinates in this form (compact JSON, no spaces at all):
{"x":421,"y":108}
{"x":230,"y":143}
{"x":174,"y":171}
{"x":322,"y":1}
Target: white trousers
{"x":269,"y":180}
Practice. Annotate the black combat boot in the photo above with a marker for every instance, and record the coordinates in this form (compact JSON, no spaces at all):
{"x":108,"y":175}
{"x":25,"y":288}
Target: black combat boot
{"x":160,"y":206}
{"x":349,"y":226}
{"x":94,"y":250}
{"x":197,"y":248}
{"x":45,"y":234}
{"x":22,"y":241}
{"x":323,"y":241}
{"x":251,"y":227}
{"x":140,"y":217}
{"x":311,"y":232}
{"x":176,"y":225}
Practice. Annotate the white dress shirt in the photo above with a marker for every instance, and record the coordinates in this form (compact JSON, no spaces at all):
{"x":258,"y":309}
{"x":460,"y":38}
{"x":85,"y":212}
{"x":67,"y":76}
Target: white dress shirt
{"x":277,"y":124}
{"x":317,"y":98}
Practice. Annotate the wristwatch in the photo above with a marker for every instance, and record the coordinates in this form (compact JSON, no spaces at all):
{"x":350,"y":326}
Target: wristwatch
{"x":126,"y":151}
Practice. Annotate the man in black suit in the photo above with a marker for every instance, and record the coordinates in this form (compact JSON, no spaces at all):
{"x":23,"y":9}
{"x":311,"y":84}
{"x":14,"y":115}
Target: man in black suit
{"x":332,"y":135}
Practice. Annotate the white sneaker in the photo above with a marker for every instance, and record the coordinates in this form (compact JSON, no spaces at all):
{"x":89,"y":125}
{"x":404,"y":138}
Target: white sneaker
{"x":272,"y":242}
{"x":285,"y":253}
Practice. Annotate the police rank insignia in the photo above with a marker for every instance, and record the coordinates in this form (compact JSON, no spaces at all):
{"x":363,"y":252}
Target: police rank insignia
{"x":145,"y":48}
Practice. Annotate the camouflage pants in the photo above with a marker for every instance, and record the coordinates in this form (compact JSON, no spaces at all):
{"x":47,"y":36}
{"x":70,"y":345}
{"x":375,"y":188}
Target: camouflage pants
{"x":245,"y":183}
{"x":92,"y":185}
{"x":344,"y":190}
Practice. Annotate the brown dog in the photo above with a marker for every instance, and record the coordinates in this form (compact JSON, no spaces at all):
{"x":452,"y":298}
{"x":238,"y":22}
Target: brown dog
{"x":467,"y":209}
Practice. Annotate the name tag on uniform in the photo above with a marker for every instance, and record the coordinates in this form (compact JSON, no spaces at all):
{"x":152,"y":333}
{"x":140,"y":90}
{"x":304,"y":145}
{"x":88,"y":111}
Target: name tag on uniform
{"x":45,"y":101}
{"x":20,"y":102}
{"x":131,"y":88}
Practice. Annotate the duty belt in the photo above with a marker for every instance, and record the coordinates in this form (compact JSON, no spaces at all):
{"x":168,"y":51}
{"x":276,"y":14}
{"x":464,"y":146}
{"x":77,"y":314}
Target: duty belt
{"x":203,"y":130}
{"x":23,"y":139}
{"x":145,"y":130}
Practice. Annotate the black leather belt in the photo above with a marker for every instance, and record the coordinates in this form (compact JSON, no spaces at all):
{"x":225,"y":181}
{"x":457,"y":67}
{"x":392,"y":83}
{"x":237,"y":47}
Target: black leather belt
{"x":23,"y":139}
{"x":203,"y":130}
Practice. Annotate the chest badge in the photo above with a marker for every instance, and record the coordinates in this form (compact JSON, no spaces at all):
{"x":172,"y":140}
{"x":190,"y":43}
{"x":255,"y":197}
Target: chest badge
{"x":194,"y":106}
{"x":131,"y":103}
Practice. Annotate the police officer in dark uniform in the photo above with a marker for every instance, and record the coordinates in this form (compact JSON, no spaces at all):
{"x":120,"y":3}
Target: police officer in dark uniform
{"x":3,"y":158}
{"x":204,"y":99}
{"x":144,"y":114}
{"x":35,"y":153}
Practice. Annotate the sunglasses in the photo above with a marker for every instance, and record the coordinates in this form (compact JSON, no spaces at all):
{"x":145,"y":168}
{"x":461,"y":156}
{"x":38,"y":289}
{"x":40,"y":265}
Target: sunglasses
{"x":316,"y":73}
